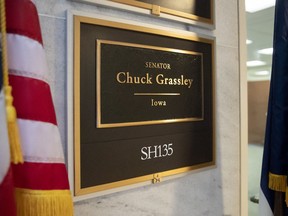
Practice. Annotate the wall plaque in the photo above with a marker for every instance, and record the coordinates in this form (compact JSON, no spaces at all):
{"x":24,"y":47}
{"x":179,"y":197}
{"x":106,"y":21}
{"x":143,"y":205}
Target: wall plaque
{"x":143,"y":104}
{"x":197,"y":10}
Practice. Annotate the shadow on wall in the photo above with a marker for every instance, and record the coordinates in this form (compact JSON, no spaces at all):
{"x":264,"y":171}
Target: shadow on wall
{"x":199,"y":194}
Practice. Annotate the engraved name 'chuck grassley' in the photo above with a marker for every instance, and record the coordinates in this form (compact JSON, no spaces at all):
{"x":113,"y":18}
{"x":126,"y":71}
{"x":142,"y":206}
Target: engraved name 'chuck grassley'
{"x":149,"y":78}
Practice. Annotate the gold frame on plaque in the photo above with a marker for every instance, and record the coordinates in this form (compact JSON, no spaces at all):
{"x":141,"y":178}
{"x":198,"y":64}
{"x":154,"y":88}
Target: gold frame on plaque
{"x":164,"y":121}
{"x":153,"y":177}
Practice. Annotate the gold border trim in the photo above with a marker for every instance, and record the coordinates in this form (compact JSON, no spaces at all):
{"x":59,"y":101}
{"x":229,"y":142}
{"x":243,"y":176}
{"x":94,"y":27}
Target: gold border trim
{"x":76,"y":102}
{"x":169,"y":11}
{"x":148,"y":122}
{"x":76,"y":92}
{"x":140,"y":179}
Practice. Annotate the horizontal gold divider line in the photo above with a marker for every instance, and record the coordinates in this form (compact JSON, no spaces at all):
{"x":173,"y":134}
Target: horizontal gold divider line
{"x":152,"y":94}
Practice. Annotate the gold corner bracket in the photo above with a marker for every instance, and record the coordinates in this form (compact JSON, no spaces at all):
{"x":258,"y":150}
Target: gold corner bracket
{"x":156,"y":10}
{"x":156,"y":178}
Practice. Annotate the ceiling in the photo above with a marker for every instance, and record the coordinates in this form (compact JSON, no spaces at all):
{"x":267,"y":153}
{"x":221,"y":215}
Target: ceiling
{"x":260,"y":27}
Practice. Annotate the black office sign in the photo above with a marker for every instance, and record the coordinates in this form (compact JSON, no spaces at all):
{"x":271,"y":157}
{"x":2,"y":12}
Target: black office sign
{"x":143,"y":104}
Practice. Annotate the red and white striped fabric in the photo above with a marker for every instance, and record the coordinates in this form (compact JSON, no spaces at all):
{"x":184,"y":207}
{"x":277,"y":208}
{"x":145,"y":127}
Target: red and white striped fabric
{"x":7,"y":202}
{"x":42,"y":186}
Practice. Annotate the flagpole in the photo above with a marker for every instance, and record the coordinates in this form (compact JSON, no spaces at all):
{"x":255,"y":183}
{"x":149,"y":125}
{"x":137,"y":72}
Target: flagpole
{"x":278,"y":203}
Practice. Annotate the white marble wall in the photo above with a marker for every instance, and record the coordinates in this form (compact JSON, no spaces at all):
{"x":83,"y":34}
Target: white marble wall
{"x":214,"y":192}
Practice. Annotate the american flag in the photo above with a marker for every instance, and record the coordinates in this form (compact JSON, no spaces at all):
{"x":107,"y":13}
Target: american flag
{"x":41,"y":182}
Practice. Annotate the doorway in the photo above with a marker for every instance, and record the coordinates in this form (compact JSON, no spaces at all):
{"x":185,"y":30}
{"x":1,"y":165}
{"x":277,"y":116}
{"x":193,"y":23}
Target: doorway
{"x":260,"y":25}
